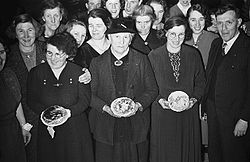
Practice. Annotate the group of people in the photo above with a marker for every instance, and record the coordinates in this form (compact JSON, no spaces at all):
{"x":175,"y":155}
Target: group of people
{"x":144,"y":52}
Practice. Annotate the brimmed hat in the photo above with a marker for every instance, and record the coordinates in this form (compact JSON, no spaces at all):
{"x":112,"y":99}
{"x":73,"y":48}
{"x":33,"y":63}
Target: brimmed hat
{"x":121,"y":25}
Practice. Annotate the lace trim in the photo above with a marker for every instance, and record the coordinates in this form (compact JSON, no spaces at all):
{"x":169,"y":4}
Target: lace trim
{"x":175,"y":62}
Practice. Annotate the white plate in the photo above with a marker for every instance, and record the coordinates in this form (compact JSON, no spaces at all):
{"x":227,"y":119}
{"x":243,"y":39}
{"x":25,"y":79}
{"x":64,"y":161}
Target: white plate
{"x":122,"y":106}
{"x":54,"y":116}
{"x":178,"y":101}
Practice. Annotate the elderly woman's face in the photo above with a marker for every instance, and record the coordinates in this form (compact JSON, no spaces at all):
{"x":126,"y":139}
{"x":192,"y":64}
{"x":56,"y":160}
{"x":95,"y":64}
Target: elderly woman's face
{"x":114,"y":7}
{"x":97,"y":28}
{"x":79,"y":33}
{"x":2,"y":56}
{"x":56,"y":59}
{"x":175,"y":36}
{"x":120,"y":42}
{"x":196,"y":22}
{"x":25,"y":33}
{"x":143,"y":24}
{"x":52,"y":18}
{"x":159,"y":12}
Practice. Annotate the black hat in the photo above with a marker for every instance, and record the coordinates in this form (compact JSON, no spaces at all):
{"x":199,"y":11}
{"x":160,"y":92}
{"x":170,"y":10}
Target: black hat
{"x":121,"y":25}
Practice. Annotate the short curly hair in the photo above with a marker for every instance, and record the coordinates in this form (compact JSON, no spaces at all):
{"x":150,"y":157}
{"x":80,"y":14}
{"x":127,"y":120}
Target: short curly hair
{"x":203,"y":10}
{"x":64,"y":42}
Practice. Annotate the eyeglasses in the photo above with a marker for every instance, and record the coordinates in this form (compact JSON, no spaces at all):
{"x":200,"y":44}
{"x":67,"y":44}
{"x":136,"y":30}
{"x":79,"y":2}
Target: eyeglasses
{"x":174,"y":35}
{"x":57,"y":55}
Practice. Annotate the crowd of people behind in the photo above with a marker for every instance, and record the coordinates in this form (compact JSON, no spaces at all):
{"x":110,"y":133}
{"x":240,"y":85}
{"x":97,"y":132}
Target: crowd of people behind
{"x":146,"y":51}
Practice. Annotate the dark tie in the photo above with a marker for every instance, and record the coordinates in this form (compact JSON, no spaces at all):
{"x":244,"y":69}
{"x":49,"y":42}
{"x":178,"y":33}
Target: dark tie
{"x":223,"y":49}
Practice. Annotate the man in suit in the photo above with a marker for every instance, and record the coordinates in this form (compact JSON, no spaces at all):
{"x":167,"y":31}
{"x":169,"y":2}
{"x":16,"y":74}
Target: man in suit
{"x":121,"y":72}
{"x":227,"y":94}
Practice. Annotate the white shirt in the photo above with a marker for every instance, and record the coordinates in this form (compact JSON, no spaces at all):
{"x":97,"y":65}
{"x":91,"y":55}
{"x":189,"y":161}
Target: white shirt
{"x":183,"y":9}
{"x":230,"y":42}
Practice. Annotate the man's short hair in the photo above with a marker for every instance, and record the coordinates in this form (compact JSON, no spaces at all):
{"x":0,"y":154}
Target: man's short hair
{"x":228,"y":7}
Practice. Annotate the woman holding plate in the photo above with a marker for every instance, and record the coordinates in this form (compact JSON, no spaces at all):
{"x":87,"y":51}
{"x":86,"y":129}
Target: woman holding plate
{"x":179,"y":72}
{"x":56,"y":83}
{"x":120,"y":75}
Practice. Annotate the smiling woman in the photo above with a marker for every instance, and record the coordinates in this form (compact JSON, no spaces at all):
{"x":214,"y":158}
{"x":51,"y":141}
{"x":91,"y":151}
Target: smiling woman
{"x":198,"y":20}
{"x":114,"y":7}
{"x":176,"y":136}
{"x":98,"y":22}
{"x":77,"y":29}
{"x":56,"y":83}
{"x":25,"y":54}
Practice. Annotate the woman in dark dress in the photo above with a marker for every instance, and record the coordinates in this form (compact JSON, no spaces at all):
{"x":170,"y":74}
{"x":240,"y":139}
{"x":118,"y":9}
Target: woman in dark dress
{"x":146,"y":39}
{"x":175,"y":136}
{"x":121,"y":71}
{"x":98,"y":22}
{"x":13,"y":136}
{"x":56,"y":83}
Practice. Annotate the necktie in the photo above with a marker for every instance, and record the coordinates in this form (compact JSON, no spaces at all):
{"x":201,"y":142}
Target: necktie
{"x":223,"y":49}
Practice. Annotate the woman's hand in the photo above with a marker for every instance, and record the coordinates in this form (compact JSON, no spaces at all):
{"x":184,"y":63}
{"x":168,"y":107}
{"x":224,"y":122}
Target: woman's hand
{"x":68,"y":112}
{"x":108,"y":110}
{"x":164,"y":103}
{"x":26,"y":136}
{"x":136,"y":108}
{"x":192,"y":101}
{"x":85,"y":77}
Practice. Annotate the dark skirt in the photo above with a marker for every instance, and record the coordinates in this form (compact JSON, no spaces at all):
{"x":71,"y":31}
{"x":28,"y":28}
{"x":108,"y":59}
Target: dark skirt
{"x":121,"y":152}
{"x":11,"y":142}
{"x":72,"y":142}
{"x":175,"y":136}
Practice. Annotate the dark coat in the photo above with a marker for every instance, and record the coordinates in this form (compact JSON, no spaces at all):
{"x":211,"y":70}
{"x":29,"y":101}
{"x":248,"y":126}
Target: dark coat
{"x":17,"y":64}
{"x":141,"y":87}
{"x":227,"y":99}
{"x":152,"y":42}
{"x":232,"y":90}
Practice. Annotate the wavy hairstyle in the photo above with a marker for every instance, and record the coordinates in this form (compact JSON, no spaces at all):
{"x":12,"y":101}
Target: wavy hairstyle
{"x":64,"y":42}
{"x":203,"y":10}
{"x":22,"y":18}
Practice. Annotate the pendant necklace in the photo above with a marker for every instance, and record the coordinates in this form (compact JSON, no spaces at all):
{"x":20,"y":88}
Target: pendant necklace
{"x":118,"y":62}
{"x":175,"y":62}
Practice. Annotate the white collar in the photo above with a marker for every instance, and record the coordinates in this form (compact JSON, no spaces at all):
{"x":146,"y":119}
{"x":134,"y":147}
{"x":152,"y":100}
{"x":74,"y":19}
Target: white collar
{"x":183,"y":9}
{"x":231,"y":42}
{"x":144,"y":37}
